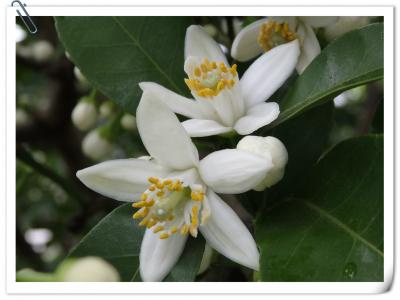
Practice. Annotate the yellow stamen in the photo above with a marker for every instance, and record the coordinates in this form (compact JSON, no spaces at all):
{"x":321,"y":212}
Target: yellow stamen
{"x":174,"y":230}
{"x":158,"y":229}
{"x":184,"y":229}
{"x":273,"y":34}
{"x":164,"y":236}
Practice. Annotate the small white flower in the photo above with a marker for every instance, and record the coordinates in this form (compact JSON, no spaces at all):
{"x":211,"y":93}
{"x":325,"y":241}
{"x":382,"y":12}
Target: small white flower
{"x":223,"y":103}
{"x":271,"y":149}
{"x":88,"y":269}
{"x":128,"y":122}
{"x":95,"y":146}
{"x":84,"y":115}
{"x":175,"y":192}
{"x":344,"y":25}
{"x":268,"y":33}
{"x":106,"y":109}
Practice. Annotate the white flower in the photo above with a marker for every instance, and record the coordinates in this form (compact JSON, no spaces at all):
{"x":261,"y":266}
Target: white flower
{"x":175,"y":192}
{"x":88,"y":269}
{"x":344,"y":25}
{"x":265,"y":34}
{"x":271,"y":149}
{"x":84,"y":115}
{"x":96,"y":146}
{"x":42,"y":51}
{"x":223,"y":103}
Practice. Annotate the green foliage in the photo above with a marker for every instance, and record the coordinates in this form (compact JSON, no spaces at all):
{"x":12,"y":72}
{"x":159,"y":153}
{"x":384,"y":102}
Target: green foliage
{"x":333,"y":229}
{"x":116,"y":53}
{"x":117,"y":239}
{"x":347,"y":62}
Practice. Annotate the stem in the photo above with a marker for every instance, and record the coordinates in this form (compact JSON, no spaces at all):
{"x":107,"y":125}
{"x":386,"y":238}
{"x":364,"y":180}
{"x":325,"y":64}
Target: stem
{"x":24,"y":156}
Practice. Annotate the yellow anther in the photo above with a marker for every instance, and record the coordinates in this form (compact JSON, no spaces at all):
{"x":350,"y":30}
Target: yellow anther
{"x":184,"y":229}
{"x":233,"y":70}
{"x":160,"y":193}
{"x":141,"y":213}
{"x":150,"y":203}
{"x":174,"y":230}
{"x":167,"y":181}
{"x":144,"y":222}
{"x":151,"y":223}
{"x":164,"y":236}
{"x":158,"y":229}
{"x":139,"y":204}
{"x":143,"y":197}
{"x":171,"y":217}
{"x":153,"y":180}
{"x":152,"y":188}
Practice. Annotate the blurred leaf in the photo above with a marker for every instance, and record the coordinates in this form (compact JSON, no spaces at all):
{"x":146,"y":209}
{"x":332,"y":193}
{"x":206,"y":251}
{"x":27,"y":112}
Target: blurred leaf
{"x":334,"y":230}
{"x":117,"y":238}
{"x":116,"y":53}
{"x":347,"y":62}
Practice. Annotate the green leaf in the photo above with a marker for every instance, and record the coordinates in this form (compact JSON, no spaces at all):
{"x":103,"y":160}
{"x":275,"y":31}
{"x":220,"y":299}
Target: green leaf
{"x":333,"y":231}
{"x":116,"y":53}
{"x":117,"y":239}
{"x":354,"y":59}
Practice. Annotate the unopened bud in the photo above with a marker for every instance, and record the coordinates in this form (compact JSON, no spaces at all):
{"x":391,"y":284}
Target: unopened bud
{"x":270,"y":148}
{"x":128,"y":122}
{"x":84,"y":115}
{"x":95,"y":146}
{"x":87,"y":269}
{"x":42,"y":51}
{"x":106,"y":109}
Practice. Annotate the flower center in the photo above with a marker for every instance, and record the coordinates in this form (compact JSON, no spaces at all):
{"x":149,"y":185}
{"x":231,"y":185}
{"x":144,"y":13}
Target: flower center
{"x":168,"y":207}
{"x":210,"y":78}
{"x":273,"y":34}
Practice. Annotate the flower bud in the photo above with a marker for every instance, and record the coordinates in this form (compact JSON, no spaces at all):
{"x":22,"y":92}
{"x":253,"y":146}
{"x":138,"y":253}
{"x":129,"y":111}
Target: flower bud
{"x":95,"y":146}
{"x":344,"y":25}
{"x":106,"y":109}
{"x":87,"y":269}
{"x":270,"y":148}
{"x":128,"y":122}
{"x":42,"y":51}
{"x":84,"y":115}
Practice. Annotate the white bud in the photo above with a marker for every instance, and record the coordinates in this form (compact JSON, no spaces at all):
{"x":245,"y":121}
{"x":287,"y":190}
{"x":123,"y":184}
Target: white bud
{"x":344,"y":25}
{"x":106,"y":109}
{"x":270,"y":148}
{"x":84,"y":115}
{"x":22,"y":118}
{"x":128,"y":122}
{"x":206,"y":259}
{"x":89,"y":269}
{"x":20,"y":33}
{"x":42,"y":51}
{"x":95,"y":146}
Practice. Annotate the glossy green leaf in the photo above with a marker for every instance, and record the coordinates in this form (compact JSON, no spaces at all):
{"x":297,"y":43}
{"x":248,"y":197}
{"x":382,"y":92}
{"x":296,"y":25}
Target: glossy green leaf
{"x":354,"y":59}
{"x":116,"y":53}
{"x":117,"y":239}
{"x":333,"y":230}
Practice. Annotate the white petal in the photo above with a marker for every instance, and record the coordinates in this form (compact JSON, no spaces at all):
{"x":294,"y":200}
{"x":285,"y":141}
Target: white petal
{"x":163,"y":135}
{"x":245,"y":45}
{"x":269,"y":72}
{"x":199,"y":43}
{"x":256,"y":117}
{"x":177,"y":103}
{"x":319,"y":21}
{"x":157,"y":256}
{"x":233,"y":171}
{"x":309,"y":47}
{"x":200,"y":128}
{"x":121,"y":179}
{"x":227,"y":234}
